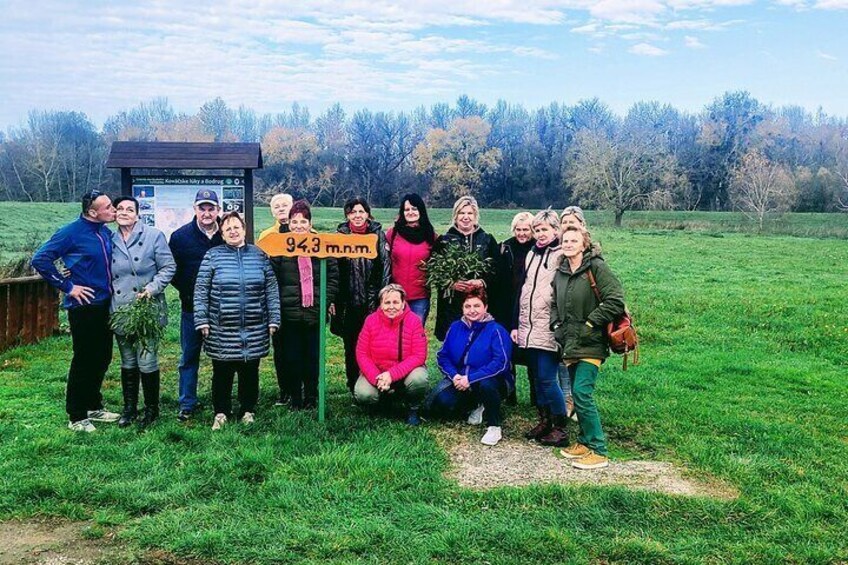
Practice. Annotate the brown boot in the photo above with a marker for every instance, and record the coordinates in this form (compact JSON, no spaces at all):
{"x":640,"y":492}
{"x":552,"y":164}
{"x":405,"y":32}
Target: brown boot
{"x":557,"y":437}
{"x":542,"y":428}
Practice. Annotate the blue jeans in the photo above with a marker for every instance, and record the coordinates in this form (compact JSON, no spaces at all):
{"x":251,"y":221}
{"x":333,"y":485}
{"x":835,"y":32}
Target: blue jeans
{"x":564,"y":380}
{"x":421,"y":308}
{"x":191,"y":342}
{"x":543,"y":368}
{"x":445,"y":400}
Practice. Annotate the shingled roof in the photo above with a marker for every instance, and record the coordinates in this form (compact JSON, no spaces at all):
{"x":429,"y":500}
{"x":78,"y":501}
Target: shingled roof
{"x":184,"y":155}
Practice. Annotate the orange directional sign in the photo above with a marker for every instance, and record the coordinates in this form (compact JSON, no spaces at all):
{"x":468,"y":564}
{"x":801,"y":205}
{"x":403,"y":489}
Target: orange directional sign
{"x":320,"y":245}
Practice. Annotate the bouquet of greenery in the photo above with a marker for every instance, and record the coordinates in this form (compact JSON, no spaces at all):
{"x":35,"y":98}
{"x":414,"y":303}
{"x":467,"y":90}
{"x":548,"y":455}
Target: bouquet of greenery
{"x":453,"y":264}
{"x":138,"y":322}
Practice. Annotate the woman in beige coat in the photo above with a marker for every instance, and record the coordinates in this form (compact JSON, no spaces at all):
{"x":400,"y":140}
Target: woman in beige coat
{"x":533,"y":332}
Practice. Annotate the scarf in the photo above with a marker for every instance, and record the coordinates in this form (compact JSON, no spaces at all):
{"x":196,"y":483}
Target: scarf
{"x":414,"y":235}
{"x":358,"y":230}
{"x":307,"y":295}
{"x":540,"y":249}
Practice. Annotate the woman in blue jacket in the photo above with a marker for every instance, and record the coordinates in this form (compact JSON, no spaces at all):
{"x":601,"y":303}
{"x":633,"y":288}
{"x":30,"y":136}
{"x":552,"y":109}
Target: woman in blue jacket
{"x":475,"y":359}
{"x":237,"y":309}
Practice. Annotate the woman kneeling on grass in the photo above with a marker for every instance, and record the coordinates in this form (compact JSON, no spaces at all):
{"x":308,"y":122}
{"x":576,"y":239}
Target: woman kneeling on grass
{"x":579,"y":324}
{"x":237,"y":309}
{"x":391,"y":352}
{"x":475,"y":359}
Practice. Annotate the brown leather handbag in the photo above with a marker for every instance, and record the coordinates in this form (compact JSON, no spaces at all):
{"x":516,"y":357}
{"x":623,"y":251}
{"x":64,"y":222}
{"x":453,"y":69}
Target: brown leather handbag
{"x":620,"y":332}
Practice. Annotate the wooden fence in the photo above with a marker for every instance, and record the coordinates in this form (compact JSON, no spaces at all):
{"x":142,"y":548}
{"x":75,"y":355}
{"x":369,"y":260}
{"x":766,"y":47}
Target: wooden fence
{"x":29,"y":311}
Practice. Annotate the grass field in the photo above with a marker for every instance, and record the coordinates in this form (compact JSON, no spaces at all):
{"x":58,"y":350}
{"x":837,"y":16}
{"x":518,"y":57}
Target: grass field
{"x":743,"y":381}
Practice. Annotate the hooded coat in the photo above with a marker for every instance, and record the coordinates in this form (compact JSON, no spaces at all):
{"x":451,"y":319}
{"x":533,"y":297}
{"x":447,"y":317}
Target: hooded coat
{"x":537,"y":297}
{"x":575,"y":303}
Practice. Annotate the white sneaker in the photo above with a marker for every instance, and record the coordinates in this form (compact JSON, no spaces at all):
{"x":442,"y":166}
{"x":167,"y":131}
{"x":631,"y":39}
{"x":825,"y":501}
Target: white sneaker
{"x":476,"y":416}
{"x":220,"y":420}
{"x":82,"y":426}
{"x":248,"y":418}
{"x":492,"y":436}
{"x":103,"y":416}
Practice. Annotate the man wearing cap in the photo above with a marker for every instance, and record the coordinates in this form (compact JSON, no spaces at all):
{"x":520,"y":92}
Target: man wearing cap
{"x":85,"y":248}
{"x":189,"y":244}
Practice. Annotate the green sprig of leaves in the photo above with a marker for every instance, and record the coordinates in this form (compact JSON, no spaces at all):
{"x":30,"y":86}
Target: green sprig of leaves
{"x":138,"y":322}
{"x":452,"y":264}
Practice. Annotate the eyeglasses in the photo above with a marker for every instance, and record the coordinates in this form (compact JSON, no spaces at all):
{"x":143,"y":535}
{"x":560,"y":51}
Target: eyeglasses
{"x":89,"y":198}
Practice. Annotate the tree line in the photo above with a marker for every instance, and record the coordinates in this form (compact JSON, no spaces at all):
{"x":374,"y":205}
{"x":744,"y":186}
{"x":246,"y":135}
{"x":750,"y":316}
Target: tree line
{"x":737,"y":153}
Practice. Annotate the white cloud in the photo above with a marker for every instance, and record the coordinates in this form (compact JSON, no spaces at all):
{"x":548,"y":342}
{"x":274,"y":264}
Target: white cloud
{"x":826,"y":56}
{"x":648,"y":50}
{"x":693,"y":42}
{"x":832,"y":4}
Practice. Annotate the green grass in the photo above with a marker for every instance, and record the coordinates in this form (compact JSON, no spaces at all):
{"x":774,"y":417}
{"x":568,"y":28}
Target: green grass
{"x":742,"y":379}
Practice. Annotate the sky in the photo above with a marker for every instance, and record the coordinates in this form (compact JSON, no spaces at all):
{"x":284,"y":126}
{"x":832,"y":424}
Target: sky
{"x":100,"y":57}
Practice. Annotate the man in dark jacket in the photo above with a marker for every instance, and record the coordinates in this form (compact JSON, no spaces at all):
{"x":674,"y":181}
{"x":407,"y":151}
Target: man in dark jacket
{"x":188,"y":245}
{"x":85,"y":248}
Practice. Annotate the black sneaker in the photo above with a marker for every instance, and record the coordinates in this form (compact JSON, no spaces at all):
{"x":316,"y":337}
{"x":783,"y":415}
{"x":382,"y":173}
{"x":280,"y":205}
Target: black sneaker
{"x":184,"y":415}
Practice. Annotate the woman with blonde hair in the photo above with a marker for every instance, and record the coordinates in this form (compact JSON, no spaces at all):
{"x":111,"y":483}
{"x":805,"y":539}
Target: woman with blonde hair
{"x":465,"y":231}
{"x":280,"y":206}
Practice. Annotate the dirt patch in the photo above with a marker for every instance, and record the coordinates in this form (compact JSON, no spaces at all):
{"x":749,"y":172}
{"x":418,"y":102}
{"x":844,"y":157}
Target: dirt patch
{"x":53,"y":543}
{"x":518,"y":463}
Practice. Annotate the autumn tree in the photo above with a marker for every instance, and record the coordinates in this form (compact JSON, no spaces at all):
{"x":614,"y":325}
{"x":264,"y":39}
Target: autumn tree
{"x":759,"y":187}
{"x":459,"y":158}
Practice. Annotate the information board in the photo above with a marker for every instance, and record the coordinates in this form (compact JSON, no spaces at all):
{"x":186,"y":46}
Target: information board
{"x":168,"y":202}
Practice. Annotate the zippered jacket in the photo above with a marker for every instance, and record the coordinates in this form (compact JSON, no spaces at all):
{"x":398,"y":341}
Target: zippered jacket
{"x":85,"y":248}
{"x":188,"y":246}
{"x":575,"y":303}
{"x":406,"y":260}
{"x":488,"y":357}
{"x":236,"y":296}
{"x":537,"y":297}
{"x":382,"y":347}
{"x":484,"y":244}
{"x":360,"y":280}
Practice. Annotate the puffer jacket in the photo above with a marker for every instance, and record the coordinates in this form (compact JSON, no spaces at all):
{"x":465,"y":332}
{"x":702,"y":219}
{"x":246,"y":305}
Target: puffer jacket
{"x":236,"y":297}
{"x":360,"y":280}
{"x":484,"y":244}
{"x":397,"y":345}
{"x":142,"y":262}
{"x":537,"y":297}
{"x":575,"y":303}
{"x":406,"y":260}
{"x":288,"y":281}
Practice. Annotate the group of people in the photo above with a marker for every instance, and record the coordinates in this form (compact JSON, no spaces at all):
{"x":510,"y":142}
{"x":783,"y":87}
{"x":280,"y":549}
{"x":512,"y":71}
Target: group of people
{"x":544,"y":303}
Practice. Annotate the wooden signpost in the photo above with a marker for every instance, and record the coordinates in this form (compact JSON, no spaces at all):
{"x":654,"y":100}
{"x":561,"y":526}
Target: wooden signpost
{"x":320,"y":246}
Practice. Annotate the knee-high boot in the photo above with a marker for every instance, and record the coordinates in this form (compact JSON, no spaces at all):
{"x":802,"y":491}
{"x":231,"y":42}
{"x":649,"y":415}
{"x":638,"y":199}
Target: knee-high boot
{"x":150,"y":387}
{"x":129,"y":390}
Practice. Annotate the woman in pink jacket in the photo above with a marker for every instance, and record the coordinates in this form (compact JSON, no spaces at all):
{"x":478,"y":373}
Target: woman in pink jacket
{"x":410,"y":243}
{"x":391,"y":352}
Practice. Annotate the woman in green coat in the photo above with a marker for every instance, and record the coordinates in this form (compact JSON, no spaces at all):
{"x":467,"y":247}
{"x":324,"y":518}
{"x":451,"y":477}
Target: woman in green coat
{"x":579,"y":321}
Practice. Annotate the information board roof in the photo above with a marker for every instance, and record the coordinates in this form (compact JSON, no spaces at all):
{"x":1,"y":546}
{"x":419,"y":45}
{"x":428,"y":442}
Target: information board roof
{"x":184,"y":155}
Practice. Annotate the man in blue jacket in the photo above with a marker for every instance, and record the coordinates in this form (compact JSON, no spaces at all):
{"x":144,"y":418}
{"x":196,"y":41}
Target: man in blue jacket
{"x":189,"y":244}
{"x":85,"y":248}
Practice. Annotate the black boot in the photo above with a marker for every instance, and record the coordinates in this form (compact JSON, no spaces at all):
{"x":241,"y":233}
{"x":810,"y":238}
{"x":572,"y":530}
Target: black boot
{"x":542,"y":428}
{"x":557,"y":437}
{"x":150,"y":386}
{"x":129,"y":389}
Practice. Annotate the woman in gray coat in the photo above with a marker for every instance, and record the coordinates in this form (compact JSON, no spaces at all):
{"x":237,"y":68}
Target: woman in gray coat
{"x":237,"y":309}
{"x":142,"y":267}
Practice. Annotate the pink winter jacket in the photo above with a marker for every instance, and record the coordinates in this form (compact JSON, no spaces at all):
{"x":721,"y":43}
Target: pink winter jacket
{"x":379,"y":349}
{"x":406,"y":265}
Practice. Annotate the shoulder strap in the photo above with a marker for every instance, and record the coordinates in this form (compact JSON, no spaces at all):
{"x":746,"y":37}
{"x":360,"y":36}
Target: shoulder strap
{"x":400,"y":342}
{"x":592,"y":282}
{"x":472,"y":338}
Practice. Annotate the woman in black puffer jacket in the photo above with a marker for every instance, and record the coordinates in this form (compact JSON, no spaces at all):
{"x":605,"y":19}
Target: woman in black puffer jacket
{"x":465,"y":230}
{"x":298,"y":279}
{"x":237,"y":308}
{"x":360,"y":281}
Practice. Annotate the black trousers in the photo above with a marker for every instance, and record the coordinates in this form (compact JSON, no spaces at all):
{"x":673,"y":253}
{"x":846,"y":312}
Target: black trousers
{"x":92,"y":345}
{"x":223,"y":374}
{"x":300,"y":359}
{"x":353,"y":322}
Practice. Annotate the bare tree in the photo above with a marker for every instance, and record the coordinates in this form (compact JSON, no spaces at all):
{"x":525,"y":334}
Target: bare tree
{"x":759,"y":187}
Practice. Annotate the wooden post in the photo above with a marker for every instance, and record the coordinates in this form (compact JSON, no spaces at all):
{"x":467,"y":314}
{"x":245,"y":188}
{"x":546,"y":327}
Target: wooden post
{"x":322,"y":343}
{"x":126,"y":181}
{"x":248,"y":203}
